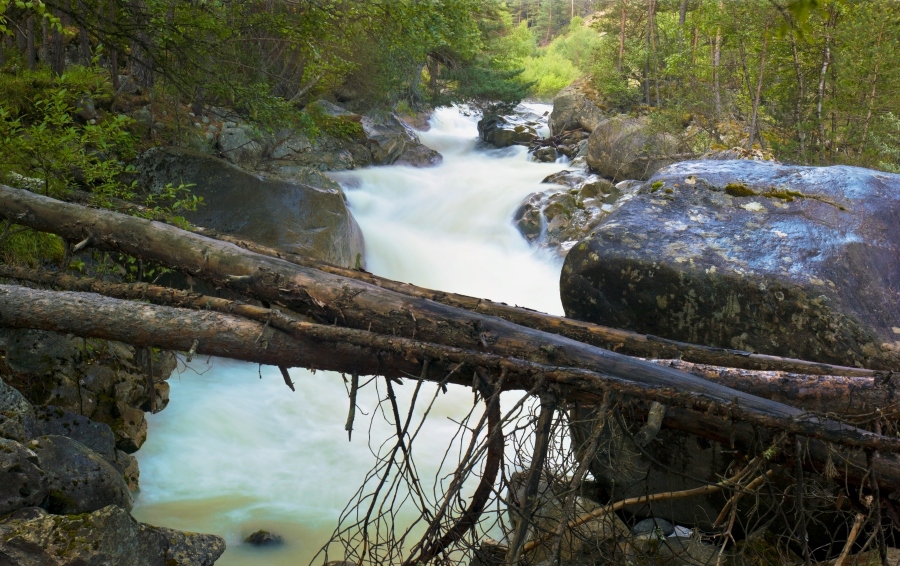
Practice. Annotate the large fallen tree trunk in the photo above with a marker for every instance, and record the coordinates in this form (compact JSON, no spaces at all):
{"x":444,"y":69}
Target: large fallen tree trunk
{"x":286,"y":342}
{"x":343,"y":301}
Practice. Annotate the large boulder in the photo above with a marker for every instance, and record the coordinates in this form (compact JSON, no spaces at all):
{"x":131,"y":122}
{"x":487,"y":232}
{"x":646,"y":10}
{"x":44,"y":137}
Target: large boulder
{"x":78,"y":479}
{"x":783,"y":260}
{"x":22,"y":481}
{"x":504,"y":131}
{"x":110,"y":535}
{"x":294,"y":217}
{"x":626,"y":148}
{"x":573,"y":109}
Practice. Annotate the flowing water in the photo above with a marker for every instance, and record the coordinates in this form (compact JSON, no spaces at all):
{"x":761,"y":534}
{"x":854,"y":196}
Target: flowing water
{"x":236,"y":451}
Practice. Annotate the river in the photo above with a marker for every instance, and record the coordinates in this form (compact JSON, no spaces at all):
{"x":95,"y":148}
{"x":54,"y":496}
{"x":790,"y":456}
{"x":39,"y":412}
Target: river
{"x":236,"y":451}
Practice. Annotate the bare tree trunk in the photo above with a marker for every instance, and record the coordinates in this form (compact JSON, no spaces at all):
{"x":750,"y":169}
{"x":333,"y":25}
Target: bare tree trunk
{"x":826,"y":61}
{"x":717,"y":54}
{"x":622,"y":37}
{"x":801,"y":96}
{"x":871,"y":97}
{"x":759,"y":84}
{"x":30,"y":55}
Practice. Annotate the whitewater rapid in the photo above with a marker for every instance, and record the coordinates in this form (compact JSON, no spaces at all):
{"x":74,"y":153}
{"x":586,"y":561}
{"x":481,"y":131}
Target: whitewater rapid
{"x":236,"y":451}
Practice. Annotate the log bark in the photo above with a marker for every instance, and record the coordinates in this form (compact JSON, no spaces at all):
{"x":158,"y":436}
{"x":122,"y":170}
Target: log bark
{"x":333,"y":300}
{"x":618,"y":340}
{"x":349,"y":350}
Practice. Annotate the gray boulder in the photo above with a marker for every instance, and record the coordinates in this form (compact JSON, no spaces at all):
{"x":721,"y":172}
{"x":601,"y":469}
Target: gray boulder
{"x":106,"y":536}
{"x":572,"y":110}
{"x":623,"y":148}
{"x":757,"y":256}
{"x":57,"y":421}
{"x":297,"y":218}
{"x":557,"y":219}
{"x":240,"y":145}
{"x":504,"y":131}
{"x":78,"y":479}
{"x":22,"y":482}
{"x":393,"y":142}
{"x":17,"y":419}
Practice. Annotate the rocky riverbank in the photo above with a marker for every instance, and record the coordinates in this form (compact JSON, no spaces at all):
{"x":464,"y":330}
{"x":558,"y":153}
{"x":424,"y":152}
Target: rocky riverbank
{"x":72,"y":411}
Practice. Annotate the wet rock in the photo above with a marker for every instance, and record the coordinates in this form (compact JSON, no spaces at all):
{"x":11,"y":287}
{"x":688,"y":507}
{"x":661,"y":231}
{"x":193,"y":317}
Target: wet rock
{"x":308,"y":220}
{"x":625,"y":148}
{"x":783,"y":260}
{"x":106,"y":536}
{"x":22,"y":481}
{"x":264,"y":538}
{"x":545,"y":155}
{"x":573,"y":109}
{"x":391,"y":141}
{"x":504,"y":131}
{"x":78,"y":479}
{"x":527,"y":218}
{"x":17,"y":419}
{"x":557,"y":219}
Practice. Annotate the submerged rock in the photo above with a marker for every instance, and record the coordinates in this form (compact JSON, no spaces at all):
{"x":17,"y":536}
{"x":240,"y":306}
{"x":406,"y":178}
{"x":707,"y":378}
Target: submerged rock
{"x":294,"y":217}
{"x":783,"y":260}
{"x":264,"y":538}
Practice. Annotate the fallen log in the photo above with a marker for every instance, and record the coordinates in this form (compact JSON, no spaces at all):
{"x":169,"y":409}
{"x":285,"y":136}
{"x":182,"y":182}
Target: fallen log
{"x":622,"y":341}
{"x":618,"y":340}
{"x":333,"y":299}
{"x":842,"y":397}
{"x":348,"y":350}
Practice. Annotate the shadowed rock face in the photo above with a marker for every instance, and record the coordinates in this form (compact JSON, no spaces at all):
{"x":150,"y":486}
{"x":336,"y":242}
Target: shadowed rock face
{"x":784,"y":260}
{"x":295,"y":217}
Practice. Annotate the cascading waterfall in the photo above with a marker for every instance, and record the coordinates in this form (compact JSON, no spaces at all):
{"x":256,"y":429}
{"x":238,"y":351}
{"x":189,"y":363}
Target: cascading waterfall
{"x":236,"y":451}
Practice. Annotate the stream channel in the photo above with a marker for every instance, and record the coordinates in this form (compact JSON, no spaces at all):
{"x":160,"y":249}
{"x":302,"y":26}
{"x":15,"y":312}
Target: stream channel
{"x":236,"y":451}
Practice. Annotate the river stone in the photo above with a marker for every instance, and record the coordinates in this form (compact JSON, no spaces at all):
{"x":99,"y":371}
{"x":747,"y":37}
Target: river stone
{"x":293,"y":217}
{"x":22,"y":481}
{"x":393,"y":142}
{"x":78,"y":479}
{"x":757,"y":256}
{"x":17,"y":419}
{"x":264,"y":538}
{"x":106,"y":536}
{"x":573,"y":109}
{"x":504,"y":131}
{"x":96,"y":436}
{"x":623,"y":148}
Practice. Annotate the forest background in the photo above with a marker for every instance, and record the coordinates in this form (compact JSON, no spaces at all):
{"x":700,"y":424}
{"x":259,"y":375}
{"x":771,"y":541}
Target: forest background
{"x":809,"y":81}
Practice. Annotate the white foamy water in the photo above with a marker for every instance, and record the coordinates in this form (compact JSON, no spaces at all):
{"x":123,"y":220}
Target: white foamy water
{"x":233,"y":453}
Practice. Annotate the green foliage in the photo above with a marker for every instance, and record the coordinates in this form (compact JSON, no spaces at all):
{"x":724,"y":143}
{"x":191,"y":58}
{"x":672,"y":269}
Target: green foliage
{"x":342,"y":127}
{"x":25,"y":247}
{"x":567,"y":58}
{"x":887,"y":143}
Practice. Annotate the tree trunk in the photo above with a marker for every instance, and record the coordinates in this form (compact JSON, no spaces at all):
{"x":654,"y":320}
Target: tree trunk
{"x":759,"y":84}
{"x":622,"y":37}
{"x":823,"y":72}
{"x":871,"y":97}
{"x":801,"y":96}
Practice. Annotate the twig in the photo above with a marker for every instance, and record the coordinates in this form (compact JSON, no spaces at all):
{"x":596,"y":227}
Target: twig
{"x":351,"y":414}
{"x":287,"y":377}
{"x":851,"y":539}
{"x":192,"y":351}
{"x":528,"y":503}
